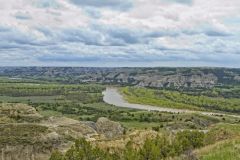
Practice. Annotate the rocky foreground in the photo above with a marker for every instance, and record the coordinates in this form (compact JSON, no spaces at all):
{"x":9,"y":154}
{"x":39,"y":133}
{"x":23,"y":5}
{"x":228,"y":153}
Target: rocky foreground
{"x":26,"y":135}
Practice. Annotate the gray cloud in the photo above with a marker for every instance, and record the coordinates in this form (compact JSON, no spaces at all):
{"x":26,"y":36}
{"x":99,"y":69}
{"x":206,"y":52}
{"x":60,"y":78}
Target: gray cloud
{"x":47,"y":4}
{"x":68,"y":58}
{"x":208,"y":31}
{"x":215,"y":33}
{"x":22,"y":16}
{"x":112,"y":4}
{"x":102,"y":44}
{"x":188,"y":2}
{"x":183,"y":1}
{"x":93,"y":12}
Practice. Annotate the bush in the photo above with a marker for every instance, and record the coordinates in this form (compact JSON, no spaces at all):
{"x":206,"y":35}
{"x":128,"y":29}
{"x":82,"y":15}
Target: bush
{"x":188,"y":140}
{"x":161,"y":147}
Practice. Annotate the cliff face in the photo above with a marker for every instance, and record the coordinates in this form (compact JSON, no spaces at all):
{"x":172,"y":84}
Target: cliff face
{"x":177,"y":81}
{"x":171,"y":77}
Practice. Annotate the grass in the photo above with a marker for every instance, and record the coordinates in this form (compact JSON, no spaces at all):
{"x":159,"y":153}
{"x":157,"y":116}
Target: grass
{"x":227,"y":150}
{"x":13,"y":134}
{"x":50,"y":113}
{"x":179,"y":100}
{"x":222,"y":142}
{"x":146,"y":96}
{"x":34,"y":99}
{"x":139,"y":125}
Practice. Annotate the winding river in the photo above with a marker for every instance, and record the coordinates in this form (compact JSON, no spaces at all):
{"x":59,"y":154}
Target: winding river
{"x":113,"y":97}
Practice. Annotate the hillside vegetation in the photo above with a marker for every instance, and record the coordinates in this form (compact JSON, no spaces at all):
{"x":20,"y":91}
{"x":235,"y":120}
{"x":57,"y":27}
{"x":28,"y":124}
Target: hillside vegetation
{"x":178,"y":146}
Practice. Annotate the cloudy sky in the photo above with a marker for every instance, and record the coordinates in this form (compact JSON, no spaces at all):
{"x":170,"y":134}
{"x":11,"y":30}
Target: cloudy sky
{"x":120,"y":33}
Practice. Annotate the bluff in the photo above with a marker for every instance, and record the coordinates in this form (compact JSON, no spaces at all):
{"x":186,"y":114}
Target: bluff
{"x":147,"y":77}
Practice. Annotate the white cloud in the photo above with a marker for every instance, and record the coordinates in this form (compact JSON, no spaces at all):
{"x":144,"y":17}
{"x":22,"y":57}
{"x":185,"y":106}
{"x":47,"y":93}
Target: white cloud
{"x":134,"y":30}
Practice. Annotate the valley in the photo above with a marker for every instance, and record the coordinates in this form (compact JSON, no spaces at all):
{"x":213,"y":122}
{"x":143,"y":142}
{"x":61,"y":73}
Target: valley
{"x":47,"y":118}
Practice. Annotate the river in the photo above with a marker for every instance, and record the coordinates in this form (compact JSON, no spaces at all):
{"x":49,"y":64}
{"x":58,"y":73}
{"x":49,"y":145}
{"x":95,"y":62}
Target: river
{"x":113,"y":97}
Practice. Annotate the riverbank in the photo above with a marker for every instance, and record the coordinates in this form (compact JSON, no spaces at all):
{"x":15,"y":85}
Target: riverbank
{"x":113,"y":97}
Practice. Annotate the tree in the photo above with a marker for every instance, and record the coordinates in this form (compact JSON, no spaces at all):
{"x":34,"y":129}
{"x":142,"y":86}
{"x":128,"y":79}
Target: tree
{"x":82,"y":150}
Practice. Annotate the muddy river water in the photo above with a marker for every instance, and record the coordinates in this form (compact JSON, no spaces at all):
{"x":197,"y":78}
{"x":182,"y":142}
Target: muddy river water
{"x":112,"y":96}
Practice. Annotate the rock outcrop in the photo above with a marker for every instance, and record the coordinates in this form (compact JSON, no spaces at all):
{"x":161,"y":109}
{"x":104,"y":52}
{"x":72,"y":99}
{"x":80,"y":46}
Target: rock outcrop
{"x":19,"y":113}
{"x":109,"y":129}
{"x":177,"y":81}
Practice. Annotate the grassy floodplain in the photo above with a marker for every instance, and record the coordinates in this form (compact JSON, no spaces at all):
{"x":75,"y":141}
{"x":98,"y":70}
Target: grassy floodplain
{"x":180,"y":100}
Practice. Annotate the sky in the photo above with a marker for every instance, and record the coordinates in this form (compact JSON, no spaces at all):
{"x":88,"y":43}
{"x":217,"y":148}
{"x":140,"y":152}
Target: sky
{"x":117,"y":33}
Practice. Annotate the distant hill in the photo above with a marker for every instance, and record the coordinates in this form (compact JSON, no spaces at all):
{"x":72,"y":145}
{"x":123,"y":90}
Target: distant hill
{"x":147,"y":77}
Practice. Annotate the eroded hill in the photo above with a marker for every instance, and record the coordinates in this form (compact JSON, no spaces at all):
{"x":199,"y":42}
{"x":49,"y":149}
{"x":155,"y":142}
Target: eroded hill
{"x":25,"y":134}
{"x":147,"y":77}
